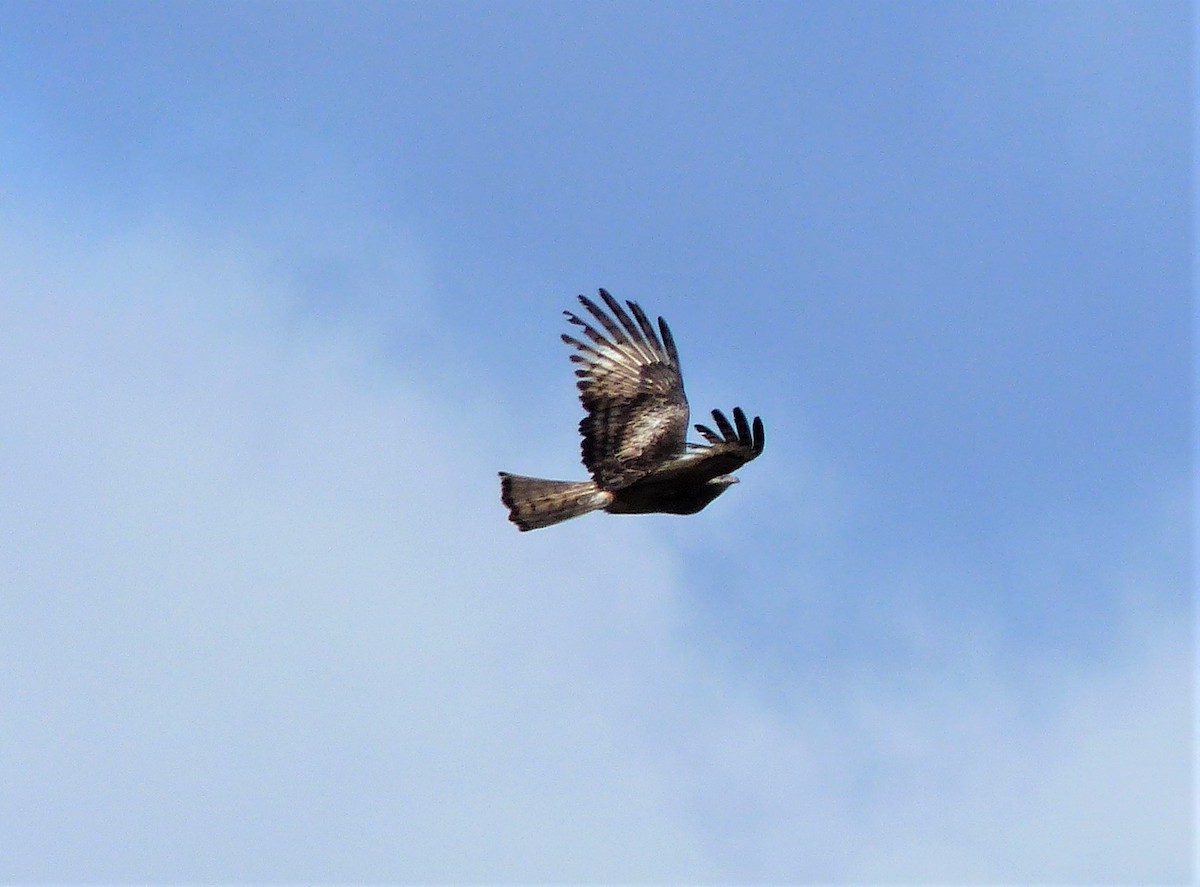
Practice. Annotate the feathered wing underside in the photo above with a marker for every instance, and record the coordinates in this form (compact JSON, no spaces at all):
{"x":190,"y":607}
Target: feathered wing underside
{"x":631,"y":387}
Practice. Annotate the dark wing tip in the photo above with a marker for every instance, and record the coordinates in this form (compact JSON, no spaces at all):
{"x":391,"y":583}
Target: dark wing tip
{"x":646,"y":327}
{"x":749,"y":436}
{"x":613,"y":305}
{"x":743,"y":427}
{"x":587,"y":303}
{"x":723,"y":425}
{"x":668,"y":342}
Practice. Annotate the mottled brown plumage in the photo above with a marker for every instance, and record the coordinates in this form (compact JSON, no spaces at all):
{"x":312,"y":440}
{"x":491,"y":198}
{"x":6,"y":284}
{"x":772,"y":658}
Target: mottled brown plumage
{"x":635,"y":432}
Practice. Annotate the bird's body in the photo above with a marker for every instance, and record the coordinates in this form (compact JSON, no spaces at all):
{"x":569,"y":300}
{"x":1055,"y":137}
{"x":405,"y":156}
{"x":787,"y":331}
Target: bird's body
{"x":635,"y":431}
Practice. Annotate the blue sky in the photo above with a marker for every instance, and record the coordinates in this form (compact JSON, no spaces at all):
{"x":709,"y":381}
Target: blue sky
{"x":283,"y":288}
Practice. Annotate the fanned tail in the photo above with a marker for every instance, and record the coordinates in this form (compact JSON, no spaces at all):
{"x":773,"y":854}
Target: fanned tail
{"x":534,"y":502}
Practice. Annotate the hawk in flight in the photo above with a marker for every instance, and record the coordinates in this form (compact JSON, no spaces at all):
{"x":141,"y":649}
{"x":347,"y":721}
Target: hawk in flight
{"x":635,"y":432}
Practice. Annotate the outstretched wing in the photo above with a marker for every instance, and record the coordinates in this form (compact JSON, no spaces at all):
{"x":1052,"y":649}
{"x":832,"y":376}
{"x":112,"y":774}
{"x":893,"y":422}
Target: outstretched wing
{"x":632,"y":390}
{"x":728,"y":451}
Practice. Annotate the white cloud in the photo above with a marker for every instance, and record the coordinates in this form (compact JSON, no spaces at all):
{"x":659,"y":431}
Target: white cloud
{"x":263,"y":619}
{"x":268,"y":619}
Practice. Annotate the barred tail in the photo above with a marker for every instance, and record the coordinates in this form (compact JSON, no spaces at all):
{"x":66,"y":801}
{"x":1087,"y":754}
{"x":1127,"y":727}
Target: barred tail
{"x":535,"y":502}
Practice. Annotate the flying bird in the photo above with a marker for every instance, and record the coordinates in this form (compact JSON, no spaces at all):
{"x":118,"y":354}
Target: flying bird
{"x":635,"y":432}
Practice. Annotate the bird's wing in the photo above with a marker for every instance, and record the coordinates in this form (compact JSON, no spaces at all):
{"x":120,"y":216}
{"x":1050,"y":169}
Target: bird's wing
{"x":632,"y":390}
{"x":724,"y":453}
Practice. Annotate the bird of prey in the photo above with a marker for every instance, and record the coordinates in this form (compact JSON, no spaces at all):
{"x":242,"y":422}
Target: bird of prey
{"x":635,"y":432}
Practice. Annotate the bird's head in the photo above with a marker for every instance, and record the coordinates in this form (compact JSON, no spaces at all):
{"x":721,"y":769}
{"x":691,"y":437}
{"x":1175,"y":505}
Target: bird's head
{"x":717,"y":486}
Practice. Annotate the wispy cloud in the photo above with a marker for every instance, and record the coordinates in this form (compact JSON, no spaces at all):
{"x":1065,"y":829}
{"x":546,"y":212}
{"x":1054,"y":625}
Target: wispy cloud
{"x":264,"y":619}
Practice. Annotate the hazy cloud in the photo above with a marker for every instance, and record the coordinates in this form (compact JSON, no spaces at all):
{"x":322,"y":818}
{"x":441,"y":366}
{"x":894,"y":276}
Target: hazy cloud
{"x":263,"y":619}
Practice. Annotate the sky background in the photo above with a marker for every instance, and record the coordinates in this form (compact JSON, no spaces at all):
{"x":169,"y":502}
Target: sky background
{"x":282,"y":288}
